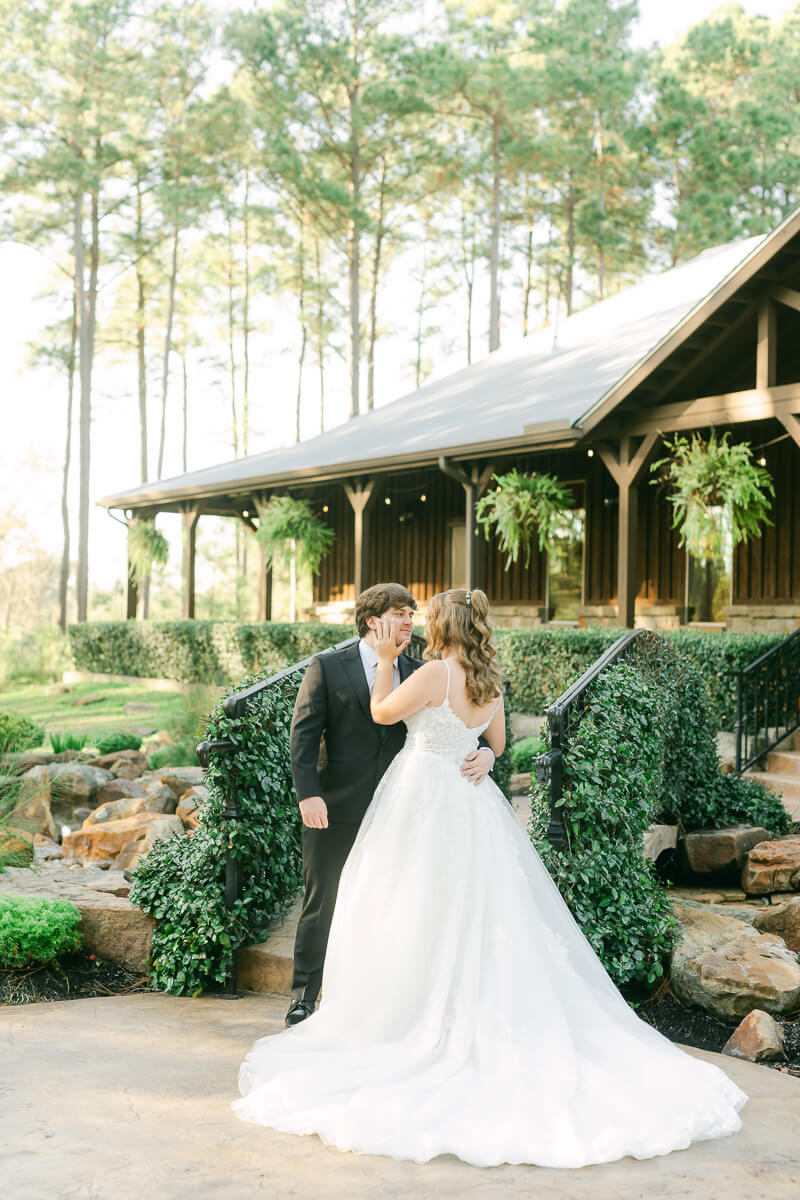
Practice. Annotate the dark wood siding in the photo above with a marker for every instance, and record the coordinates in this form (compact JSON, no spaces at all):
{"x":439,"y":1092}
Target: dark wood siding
{"x":767,"y":568}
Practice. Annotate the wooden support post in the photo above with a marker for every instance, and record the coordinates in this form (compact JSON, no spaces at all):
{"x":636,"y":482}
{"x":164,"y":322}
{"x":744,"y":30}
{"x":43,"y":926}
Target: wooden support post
{"x":264,"y":586}
{"x":359,"y":494}
{"x":474,"y":482}
{"x":190,"y":518}
{"x":626,"y":468}
{"x":767,"y":346}
{"x":131,"y":596}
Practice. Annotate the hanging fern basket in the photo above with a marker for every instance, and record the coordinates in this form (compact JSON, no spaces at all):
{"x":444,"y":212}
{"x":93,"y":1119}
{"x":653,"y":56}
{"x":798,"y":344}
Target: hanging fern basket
{"x":718,"y":494}
{"x":146,"y":548}
{"x":523,"y":509}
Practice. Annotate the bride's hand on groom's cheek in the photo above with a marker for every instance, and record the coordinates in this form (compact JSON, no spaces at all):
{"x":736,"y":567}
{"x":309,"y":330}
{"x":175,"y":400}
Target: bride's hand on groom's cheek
{"x":314,"y":812}
{"x":386,"y":642}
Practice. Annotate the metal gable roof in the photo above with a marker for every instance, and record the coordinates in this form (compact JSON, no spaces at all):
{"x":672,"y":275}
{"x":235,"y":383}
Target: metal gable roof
{"x":538,"y":390}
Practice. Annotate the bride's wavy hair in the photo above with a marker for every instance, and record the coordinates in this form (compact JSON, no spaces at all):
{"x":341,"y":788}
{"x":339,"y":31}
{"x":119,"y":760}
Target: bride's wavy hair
{"x":452,"y":622}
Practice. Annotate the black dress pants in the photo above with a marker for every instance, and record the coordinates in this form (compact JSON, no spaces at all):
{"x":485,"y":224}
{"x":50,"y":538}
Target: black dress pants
{"x":324,"y":854}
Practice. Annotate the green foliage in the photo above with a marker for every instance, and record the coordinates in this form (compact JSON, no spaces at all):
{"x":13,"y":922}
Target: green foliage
{"x":33,"y":930}
{"x":181,"y":880}
{"x":177,"y":754}
{"x":37,"y":656}
{"x":524,"y":753}
{"x":540,"y":663}
{"x":107,"y":743}
{"x":18,"y":733}
{"x":60,"y":742}
{"x":715,"y":488}
{"x":285,"y":522}
{"x":640,"y":749}
{"x":197,"y":651}
{"x":521,"y":507}
{"x":146,"y":548}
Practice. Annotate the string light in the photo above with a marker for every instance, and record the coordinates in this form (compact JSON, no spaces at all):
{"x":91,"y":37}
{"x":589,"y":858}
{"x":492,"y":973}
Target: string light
{"x":423,"y":497}
{"x":324,"y":508}
{"x":387,"y":500}
{"x":762,"y":462}
{"x":590,"y":453}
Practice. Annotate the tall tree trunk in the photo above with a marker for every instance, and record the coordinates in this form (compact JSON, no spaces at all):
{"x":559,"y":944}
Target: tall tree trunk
{"x":141,"y":356}
{"x":354,"y":255}
{"x":494,"y":253}
{"x":246,"y":321}
{"x":420,"y":316}
{"x":231,"y":342}
{"x":468,"y":259}
{"x":569,"y":271}
{"x":373,"y":299}
{"x":173,"y":276}
{"x":185,"y":437}
{"x":301,"y":280}
{"x":320,"y":336}
{"x":528,"y":286}
{"x":601,"y":255}
{"x":87,"y":309}
{"x":63,"y":579}
{"x":292,"y":580}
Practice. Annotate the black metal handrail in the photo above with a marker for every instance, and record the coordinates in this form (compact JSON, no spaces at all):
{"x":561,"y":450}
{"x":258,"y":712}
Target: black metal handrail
{"x":549,"y":766}
{"x":235,"y":706}
{"x":767,"y":701}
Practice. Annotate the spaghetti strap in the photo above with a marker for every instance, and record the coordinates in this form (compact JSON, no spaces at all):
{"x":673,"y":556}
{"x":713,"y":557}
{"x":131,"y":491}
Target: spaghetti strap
{"x":447,"y":692}
{"x":496,"y":708}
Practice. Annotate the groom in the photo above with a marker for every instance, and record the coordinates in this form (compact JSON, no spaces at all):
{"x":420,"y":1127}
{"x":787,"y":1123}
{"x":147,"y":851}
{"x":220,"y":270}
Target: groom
{"x":339,"y":756}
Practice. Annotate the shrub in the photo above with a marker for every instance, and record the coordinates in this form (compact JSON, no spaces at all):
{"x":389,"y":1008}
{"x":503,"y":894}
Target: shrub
{"x":18,"y":733}
{"x":33,"y":930}
{"x":107,"y":743}
{"x":524,"y":752}
{"x":181,"y":881}
{"x":612,"y":779}
{"x":197,"y":651}
{"x":177,"y":754}
{"x":60,"y":742}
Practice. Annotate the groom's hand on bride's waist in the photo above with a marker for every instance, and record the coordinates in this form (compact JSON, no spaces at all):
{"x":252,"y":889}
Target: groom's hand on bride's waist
{"x":476,"y":766}
{"x":314,"y":812}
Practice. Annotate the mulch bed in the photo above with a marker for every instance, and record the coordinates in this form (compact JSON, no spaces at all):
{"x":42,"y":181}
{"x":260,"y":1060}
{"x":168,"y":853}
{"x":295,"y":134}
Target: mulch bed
{"x":693,"y":1027}
{"x":76,"y":977}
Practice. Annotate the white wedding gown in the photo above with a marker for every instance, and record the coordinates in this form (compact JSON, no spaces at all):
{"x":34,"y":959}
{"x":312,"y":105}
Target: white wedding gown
{"x":463,"y":1011}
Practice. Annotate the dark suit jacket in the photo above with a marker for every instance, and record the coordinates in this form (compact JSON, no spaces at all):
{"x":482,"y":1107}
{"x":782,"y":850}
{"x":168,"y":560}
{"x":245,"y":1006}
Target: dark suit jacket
{"x":338,"y":752}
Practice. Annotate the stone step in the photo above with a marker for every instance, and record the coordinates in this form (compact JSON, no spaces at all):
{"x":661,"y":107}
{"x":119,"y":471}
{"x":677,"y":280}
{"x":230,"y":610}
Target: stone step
{"x":267,"y":966}
{"x":784,"y":762}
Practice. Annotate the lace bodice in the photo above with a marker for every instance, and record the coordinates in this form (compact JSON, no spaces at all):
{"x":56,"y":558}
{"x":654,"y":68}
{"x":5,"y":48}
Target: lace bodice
{"x":438,"y":730}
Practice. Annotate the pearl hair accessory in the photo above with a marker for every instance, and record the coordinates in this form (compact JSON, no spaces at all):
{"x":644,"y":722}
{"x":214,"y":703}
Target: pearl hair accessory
{"x":468,"y":599}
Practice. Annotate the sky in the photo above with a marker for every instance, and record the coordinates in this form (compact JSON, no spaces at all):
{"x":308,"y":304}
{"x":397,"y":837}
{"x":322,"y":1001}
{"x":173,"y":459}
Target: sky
{"x":32,"y":398}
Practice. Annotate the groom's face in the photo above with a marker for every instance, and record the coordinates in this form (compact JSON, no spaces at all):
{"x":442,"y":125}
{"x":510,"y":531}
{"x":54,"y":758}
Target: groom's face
{"x":401,"y":619}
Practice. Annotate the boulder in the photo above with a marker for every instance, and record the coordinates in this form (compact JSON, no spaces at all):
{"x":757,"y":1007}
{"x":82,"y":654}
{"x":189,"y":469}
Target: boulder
{"x":159,"y":797}
{"x":719,"y":854}
{"x":189,"y":805}
{"x":783,"y":919}
{"x":115,"y":810}
{"x":758,"y":1038}
{"x":31,"y":813}
{"x":728,"y":968}
{"x":107,"y":761}
{"x":46,"y":850}
{"x":657,"y":839}
{"x":117,"y":789}
{"x":773,"y":866}
{"x":13,"y":846}
{"x":107,"y":840}
{"x":69,"y":783}
{"x":180,"y":779}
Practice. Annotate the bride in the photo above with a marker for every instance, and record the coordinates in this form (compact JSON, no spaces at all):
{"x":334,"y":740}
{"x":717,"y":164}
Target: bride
{"x":463,"y":1011}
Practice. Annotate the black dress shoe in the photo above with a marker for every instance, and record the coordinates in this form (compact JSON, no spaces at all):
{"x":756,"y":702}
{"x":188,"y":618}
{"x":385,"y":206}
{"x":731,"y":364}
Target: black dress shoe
{"x":298,"y":1012}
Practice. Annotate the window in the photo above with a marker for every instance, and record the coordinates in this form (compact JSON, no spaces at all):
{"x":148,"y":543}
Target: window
{"x":458,"y":554}
{"x":565,"y":565}
{"x":708,"y":584}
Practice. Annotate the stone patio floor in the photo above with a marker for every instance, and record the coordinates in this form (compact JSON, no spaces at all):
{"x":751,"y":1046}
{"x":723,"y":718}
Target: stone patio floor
{"x":127,"y":1097}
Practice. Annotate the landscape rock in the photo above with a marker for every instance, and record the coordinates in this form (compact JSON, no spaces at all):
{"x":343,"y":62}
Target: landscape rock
{"x":114,"y":756}
{"x":784,"y":920}
{"x":728,"y":968}
{"x":180,"y":779}
{"x":189,"y":805}
{"x":657,"y":839}
{"x":13,"y":844}
{"x":126,"y":770}
{"x":45,"y":849}
{"x":31,"y":813}
{"x":115,"y":810}
{"x":758,"y":1038}
{"x":116,"y":789}
{"x":160,"y":797}
{"x":108,"y":839}
{"x":111,"y":927}
{"x":57,"y":689}
{"x":69,"y":783}
{"x":719,"y":854}
{"x":138,"y":706}
{"x":773,"y":866}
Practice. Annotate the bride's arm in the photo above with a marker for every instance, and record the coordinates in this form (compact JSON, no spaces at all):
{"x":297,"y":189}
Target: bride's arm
{"x":425,"y":686}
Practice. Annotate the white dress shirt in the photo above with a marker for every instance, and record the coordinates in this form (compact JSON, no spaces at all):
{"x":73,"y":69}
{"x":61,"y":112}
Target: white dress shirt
{"x":369,"y":661}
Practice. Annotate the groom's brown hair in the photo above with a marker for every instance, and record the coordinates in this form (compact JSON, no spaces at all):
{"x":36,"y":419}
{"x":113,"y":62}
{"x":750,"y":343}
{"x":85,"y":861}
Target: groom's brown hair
{"x":376,"y":599}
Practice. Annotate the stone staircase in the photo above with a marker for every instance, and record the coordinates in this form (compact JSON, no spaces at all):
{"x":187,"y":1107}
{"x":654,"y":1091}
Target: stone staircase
{"x":781,"y":773}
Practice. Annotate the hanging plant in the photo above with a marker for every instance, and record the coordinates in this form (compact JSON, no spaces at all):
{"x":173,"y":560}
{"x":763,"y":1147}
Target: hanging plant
{"x":146,"y":549}
{"x":717,"y":492}
{"x":521,"y":507}
{"x":289,"y":527}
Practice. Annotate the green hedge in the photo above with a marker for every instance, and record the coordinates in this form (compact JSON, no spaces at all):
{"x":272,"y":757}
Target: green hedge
{"x":641,"y":748}
{"x":538,"y":663}
{"x":197,"y":651}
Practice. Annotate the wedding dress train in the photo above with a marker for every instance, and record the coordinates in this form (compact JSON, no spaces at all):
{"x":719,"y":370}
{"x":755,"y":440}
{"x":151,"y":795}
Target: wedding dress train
{"x":463,"y":1011}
